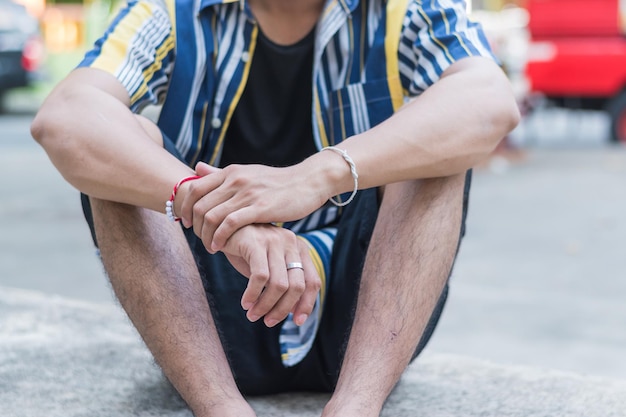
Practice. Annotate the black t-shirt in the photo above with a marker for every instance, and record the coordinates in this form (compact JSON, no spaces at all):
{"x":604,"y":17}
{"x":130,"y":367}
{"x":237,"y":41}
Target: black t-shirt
{"x":272,"y":122}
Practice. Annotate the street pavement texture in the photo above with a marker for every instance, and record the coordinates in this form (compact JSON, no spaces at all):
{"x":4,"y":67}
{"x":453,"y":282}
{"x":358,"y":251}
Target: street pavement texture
{"x":65,"y":358}
{"x":535,"y":324}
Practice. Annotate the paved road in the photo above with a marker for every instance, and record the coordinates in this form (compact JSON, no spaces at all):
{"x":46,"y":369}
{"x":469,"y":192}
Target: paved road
{"x":541,"y":278}
{"x":542,"y":274}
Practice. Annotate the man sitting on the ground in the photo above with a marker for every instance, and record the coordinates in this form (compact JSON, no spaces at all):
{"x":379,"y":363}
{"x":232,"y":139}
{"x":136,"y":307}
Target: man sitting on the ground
{"x":318,"y":154}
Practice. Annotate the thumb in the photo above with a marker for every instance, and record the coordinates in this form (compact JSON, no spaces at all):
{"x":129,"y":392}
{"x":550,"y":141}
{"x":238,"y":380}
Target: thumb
{"x":203,"y":169}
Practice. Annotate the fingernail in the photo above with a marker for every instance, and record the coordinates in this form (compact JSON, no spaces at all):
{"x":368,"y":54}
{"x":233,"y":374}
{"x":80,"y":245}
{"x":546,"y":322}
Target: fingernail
{"x":247,"y":306}
{"x":271,"y":322}
{"x":253,"y":317}
{"x":301,"y":319}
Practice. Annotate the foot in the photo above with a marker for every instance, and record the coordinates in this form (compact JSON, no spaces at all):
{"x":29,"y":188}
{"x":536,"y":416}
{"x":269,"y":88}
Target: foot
{"x":351,"y":408}
{"x":232,"y":408}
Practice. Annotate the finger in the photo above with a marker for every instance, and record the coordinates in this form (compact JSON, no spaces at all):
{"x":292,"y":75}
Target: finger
{"x":197,"y":190}
{"x":203,"y":169}
{"x":232,"y":221}
{"x":259,"y":275}
{"x":287,"y":302}
{"x":275,"y":288}
{"x":208,"y":213}
{"x":312,"y":285}
{"x":239,"y":263}
{"x":214,"y":218}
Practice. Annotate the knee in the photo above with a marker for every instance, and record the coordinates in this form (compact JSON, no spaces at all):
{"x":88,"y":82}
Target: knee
{"x":110,"y":213}
{"x":428,"y":191}
{"x":445,"y":189}
{"x":113,"y":223}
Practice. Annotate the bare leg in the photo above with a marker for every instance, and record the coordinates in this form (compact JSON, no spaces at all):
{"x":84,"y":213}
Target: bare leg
{"x":408,"y":261}
{"x":154,"y":276}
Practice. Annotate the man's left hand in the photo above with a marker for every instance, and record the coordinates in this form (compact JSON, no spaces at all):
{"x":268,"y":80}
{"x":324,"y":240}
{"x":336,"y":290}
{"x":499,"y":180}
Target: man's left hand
{"x":262,"y":254}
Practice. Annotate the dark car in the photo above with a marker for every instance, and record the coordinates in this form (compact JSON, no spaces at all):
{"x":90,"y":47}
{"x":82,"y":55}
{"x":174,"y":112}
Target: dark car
{"x":21,"y":48}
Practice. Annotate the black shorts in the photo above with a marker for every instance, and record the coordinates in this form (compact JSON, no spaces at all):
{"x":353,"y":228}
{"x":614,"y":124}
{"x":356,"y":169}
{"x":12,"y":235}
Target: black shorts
{"x":253,"y":349}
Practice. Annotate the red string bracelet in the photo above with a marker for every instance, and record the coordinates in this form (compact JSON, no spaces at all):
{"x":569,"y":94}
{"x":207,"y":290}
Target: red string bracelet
{"x":169,"y":204}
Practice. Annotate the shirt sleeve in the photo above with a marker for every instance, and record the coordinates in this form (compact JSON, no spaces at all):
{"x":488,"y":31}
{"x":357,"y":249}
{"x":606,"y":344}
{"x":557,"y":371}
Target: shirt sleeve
{"x":435,"y":34}
{"x":138,"y":49}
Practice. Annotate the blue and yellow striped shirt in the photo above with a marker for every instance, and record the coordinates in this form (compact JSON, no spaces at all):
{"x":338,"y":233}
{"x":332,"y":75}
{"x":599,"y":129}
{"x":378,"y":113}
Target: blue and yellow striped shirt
{"x":193,"y":57}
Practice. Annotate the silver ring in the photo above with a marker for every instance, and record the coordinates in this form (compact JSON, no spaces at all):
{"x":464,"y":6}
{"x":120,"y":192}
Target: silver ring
{"x":294,"y":265}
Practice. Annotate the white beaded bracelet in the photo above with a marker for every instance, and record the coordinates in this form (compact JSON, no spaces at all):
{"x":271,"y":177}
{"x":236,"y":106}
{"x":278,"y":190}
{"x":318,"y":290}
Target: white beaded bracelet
{"x":169,"y":211}
{"x":355,"y":175}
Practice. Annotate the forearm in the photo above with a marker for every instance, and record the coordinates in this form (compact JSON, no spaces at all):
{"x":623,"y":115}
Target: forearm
{"x":102,"y":149}
{"x":451,"y":127}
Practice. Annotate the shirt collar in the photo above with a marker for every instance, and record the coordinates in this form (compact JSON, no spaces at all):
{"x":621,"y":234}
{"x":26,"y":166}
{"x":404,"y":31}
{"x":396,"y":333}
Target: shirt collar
{"x":208,"y":3}
{"x":350,"y":5}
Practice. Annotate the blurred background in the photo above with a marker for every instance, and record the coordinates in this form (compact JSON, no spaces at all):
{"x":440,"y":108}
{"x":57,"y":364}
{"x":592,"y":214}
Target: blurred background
{"x":541,"y":276}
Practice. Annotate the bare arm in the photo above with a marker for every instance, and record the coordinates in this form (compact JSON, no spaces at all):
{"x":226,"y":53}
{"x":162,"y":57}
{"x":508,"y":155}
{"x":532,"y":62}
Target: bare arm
{"x":451,"y":127}
{"x":100,"y":146}
{"x":107,"y":152}
{"x":448,"y":129}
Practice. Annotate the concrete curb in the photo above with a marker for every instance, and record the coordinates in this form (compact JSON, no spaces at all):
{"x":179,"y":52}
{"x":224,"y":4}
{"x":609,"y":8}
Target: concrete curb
{"x":61,"y":357}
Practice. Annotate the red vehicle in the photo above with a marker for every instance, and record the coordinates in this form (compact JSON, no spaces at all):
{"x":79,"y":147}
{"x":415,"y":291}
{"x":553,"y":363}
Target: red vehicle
{"x":577,"y":56}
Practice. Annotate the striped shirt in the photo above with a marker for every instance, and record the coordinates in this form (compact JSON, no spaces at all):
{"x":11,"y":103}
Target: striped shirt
{"x":371,"y":56}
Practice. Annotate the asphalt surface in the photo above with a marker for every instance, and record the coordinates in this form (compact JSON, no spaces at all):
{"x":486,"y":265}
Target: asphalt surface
{"x":540,"y":280}
{"x":63,"y":358}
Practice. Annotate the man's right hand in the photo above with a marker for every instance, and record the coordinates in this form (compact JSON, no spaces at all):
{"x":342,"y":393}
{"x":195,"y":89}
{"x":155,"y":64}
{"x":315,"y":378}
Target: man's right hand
{"x":261,"y":253}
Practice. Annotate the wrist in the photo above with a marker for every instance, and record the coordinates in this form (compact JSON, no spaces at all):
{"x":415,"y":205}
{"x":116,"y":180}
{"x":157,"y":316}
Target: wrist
{"x":336,"y":173}
{"x":353,"y":173}
{"x":173,"y":205}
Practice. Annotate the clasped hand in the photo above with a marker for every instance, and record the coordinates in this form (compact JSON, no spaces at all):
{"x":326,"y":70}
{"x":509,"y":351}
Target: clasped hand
{"x":225,"y":200}
{"x":261,"y":253}
{"x":231,"y":210}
